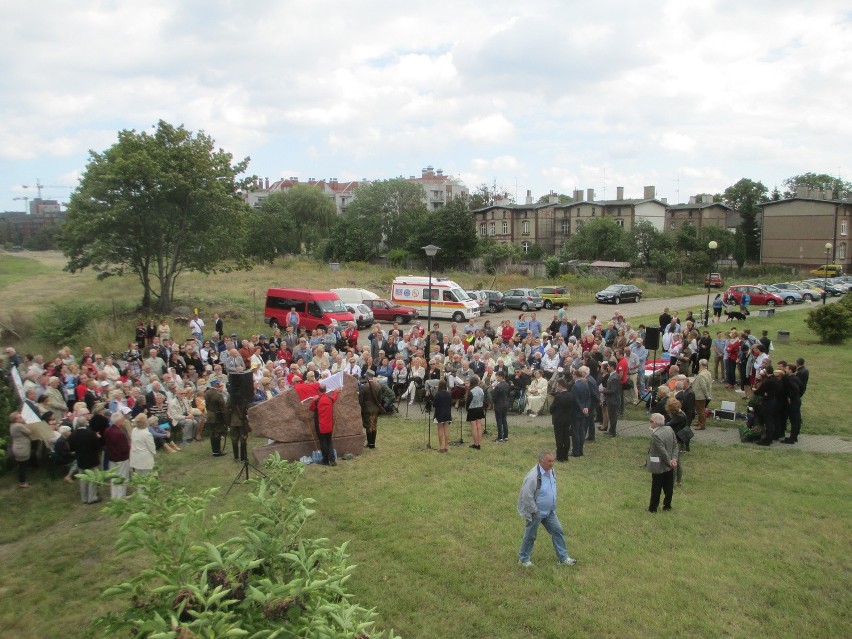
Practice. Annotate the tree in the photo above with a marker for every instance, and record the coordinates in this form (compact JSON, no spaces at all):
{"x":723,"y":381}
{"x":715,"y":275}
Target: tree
{"x":156,"y":205}
{"x":797,"y":184}
{"x":392,"y":208}
{"x":599,"y":239}
{"x":745,"y":197}
{"x":353,"y":238}
{"x":563,"y":199}
{"x":271,"y":230}
{"x":485,"y":195}
{"x":312,"y":214}
{"x":646,"y":239}
{"x":451,"y":227}
{"x":739,"y":248}
{"x":498,"y":255}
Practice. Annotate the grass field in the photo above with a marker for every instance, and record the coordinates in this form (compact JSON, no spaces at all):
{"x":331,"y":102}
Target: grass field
{"x":757,"y":544}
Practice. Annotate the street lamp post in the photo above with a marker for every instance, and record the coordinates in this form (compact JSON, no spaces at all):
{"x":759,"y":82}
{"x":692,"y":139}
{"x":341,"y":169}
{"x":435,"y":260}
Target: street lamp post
{"x":431,"y":250}
{"x":712,"y":246}
{"x":825,"y":272}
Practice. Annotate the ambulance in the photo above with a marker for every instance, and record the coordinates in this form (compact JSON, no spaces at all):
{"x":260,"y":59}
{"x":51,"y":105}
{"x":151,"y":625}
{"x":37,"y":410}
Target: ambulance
{"x":449,"y":301}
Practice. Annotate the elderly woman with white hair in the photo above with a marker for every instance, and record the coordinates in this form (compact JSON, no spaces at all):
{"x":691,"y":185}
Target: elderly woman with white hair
{"x":536,"y":394}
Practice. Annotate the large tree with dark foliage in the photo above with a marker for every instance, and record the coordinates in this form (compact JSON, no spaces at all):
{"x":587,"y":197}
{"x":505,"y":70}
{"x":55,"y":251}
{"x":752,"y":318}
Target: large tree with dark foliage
{"x":745,"y":197}
{"x":155,"y":205}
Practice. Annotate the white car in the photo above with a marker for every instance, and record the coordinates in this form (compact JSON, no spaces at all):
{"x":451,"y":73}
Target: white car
{"x":362,"y":314}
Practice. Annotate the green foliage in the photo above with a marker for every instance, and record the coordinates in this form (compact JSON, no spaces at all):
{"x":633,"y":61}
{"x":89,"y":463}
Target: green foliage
{"x":156,"y":205}
{"x":536,"y":252}
{"x":64,"y":323}
{"x":599,"y":239}
{"x":453,"y":229}
{"x":8,"y":402}
{"x":739,"y":248}
{"x":745,"y":197}
{"x":563,"y":199}
{"x":229,"y":575}
{"x":311,"y":214}
{"x":353,"y":238}
{"x":832,"y":322}
{"x":43,"y":239}
{"x":398,"y":257}
{"x":553,"y":266}
{"x":497,"y":256}
{"x":797,"y":184}
{"x":271,"y":230}
{"x":646,"y":239}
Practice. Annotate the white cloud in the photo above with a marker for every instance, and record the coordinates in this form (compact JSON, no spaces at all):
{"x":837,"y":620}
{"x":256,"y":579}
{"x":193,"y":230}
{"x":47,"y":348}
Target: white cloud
{"x":491,"y":129}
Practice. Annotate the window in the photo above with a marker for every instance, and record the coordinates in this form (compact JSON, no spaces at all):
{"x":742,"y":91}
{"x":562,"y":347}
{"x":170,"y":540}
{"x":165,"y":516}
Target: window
{"x":841,"y":251}
{"x":505,"y":227}
{"x":566,"y":227}
{"x":620,"y":222}
{"x":579,"y":225}
{"x":672,"y":225}
{"x":525,"y":247}
{"x":843,"y":226}
{"x":594,"y":211}
{"x":482,"y":229}
{"x":526,"y":227}
{"x":493,"y":229}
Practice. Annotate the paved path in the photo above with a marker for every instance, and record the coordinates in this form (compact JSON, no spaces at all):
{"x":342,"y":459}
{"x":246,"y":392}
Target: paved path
{"x":713,"y":434}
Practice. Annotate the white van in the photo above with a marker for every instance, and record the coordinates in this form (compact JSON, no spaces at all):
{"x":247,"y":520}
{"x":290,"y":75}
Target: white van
{"x":354,"y":295}
{"x":449,"y":301}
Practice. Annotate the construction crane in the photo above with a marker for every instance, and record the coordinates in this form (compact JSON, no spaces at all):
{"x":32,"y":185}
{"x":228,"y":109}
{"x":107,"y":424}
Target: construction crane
{"x":26,"y":200}
{"x":39,"y":186}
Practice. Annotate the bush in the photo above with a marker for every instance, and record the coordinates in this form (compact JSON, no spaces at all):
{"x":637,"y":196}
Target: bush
{"x":832,"y":322}
{"x":229,"y":575}
{"x":398,"y":257}
{"x":64,"y":323}
{"x":553,"y":267}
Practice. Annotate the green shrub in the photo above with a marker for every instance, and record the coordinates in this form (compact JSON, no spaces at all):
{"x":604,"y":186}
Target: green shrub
{"x":64,"y":323}
{"x":832,"y":322}
{"x":229,"y":575}
{"x":553,"y":267}
{"x":398,"y":257}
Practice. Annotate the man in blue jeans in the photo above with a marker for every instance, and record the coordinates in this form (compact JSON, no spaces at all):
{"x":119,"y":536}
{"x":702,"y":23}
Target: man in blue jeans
{"x":537,"y":505}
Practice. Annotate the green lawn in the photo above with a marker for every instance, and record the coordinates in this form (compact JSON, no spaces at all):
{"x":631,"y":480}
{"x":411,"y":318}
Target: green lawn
{"x":14,"y":269}
{"x":757,"y":544}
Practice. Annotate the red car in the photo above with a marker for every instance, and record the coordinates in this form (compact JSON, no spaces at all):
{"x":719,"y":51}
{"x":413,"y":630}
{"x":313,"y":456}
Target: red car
{"x":759,"y":295}
{"x":387,"y":311}
{"x":714,"y":280}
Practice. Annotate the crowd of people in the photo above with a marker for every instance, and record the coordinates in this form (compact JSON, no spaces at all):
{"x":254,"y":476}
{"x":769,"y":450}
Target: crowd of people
{"x":583,"y":374}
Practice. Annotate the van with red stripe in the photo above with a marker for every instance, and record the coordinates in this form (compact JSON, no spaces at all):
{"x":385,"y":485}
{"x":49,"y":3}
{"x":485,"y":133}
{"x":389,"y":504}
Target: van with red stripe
{"x":449,"y":301}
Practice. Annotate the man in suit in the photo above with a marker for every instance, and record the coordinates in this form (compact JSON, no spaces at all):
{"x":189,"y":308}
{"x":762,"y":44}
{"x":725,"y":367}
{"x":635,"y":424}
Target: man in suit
{"x":662,"y":460}
{"x":612,"y":396}
{"x":583,"y":411}
{"x":560,"y":417}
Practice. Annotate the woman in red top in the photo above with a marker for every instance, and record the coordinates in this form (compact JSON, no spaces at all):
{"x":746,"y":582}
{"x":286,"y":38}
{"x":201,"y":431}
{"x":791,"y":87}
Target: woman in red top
{"x":732,"y":350}
{"x":323,"y":408}
{"x":507,"y":331}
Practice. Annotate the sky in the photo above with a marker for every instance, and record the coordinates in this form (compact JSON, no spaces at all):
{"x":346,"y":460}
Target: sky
{"x":542,"y":96}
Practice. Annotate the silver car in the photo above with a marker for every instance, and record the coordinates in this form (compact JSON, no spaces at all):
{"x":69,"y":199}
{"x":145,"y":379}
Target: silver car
{"x":525,"y":299}
{"x":808,"y":294}
{"x":362,"y":314}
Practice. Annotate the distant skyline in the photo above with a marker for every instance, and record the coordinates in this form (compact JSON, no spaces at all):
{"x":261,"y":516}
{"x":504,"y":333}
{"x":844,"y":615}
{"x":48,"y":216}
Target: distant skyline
{"x":546,"y":95}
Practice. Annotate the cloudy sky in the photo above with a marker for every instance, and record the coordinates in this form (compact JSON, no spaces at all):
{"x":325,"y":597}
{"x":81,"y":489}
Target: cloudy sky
{"x":684,"y":95}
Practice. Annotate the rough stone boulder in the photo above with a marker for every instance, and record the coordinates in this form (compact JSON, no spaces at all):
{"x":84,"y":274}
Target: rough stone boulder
{"x":288,"y":421}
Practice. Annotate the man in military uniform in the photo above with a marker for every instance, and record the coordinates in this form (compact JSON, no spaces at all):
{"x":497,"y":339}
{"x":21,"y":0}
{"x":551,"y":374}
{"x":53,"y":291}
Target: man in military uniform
{"x":215,"y":403}
{"x":238,"y":428}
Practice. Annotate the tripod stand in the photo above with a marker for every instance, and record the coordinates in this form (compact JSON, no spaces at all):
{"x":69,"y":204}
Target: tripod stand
{"x":239,"y":445}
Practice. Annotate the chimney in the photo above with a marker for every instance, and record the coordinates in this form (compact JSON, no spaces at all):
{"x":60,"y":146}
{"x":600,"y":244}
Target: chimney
{"x":590,"y":195}
{"x":577,"y":195}
{"x":529,"y":195}
{"x":665,"y":200}
{"x":650,"y":192}
{"x":267,"y":184}
{"x":440,"y":172}
{"x":826,"y":194}
{"x":410,"y":177}
{"x":619,"y":193}
{"x":553,"y":198}
{"x":692,"y":199}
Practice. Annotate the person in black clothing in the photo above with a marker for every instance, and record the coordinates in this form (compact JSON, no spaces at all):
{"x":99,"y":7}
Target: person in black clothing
{"x":442,"y":402}
{"x":770,"y":390}
{"x":86,"y":444}
{"x":803,"y":374}
{"x":677,"y":422}
{"x":560,"y":416}
{"x":665,"y":319}
{"x":520,"y":381}
{"x":501,"y":402}
{"x":793,"y":388}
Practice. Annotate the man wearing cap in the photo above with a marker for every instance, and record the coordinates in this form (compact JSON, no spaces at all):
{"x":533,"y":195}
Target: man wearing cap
{"x":369,"y":397}
{"x":117,"y":447}
{"x":215,"y":404}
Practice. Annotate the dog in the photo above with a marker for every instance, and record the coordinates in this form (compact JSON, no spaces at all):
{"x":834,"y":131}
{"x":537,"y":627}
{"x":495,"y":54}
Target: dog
{"x":735,"y":315}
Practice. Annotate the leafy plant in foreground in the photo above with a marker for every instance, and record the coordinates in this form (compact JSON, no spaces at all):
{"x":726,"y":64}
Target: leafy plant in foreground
{"x":233,"y":574}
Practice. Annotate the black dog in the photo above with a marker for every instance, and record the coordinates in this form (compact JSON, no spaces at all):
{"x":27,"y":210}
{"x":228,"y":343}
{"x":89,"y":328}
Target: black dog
{"x":735,"y":315}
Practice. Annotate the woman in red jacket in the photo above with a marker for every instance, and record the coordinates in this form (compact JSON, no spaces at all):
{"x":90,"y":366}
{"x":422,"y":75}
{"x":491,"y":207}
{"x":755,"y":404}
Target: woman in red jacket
{"x":323,"y":408}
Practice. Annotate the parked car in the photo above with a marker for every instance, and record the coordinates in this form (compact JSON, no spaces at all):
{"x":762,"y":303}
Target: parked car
{"x":618,"y":293}
{"x":841,"y":283}
{"x":554,"y":295}
{"x":495,"y":300}
{"x":789,"y":296}
{"x":714,"y":280}
{"x":828,"y":270}
{"x":825,"y":285}
{"x":387,"y":311}
{"x":362,"y":314}
{"x":524,"y":299}
{"x":808,"y":294}
{"x":480,"y":298}
{"x":759,"y":296}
